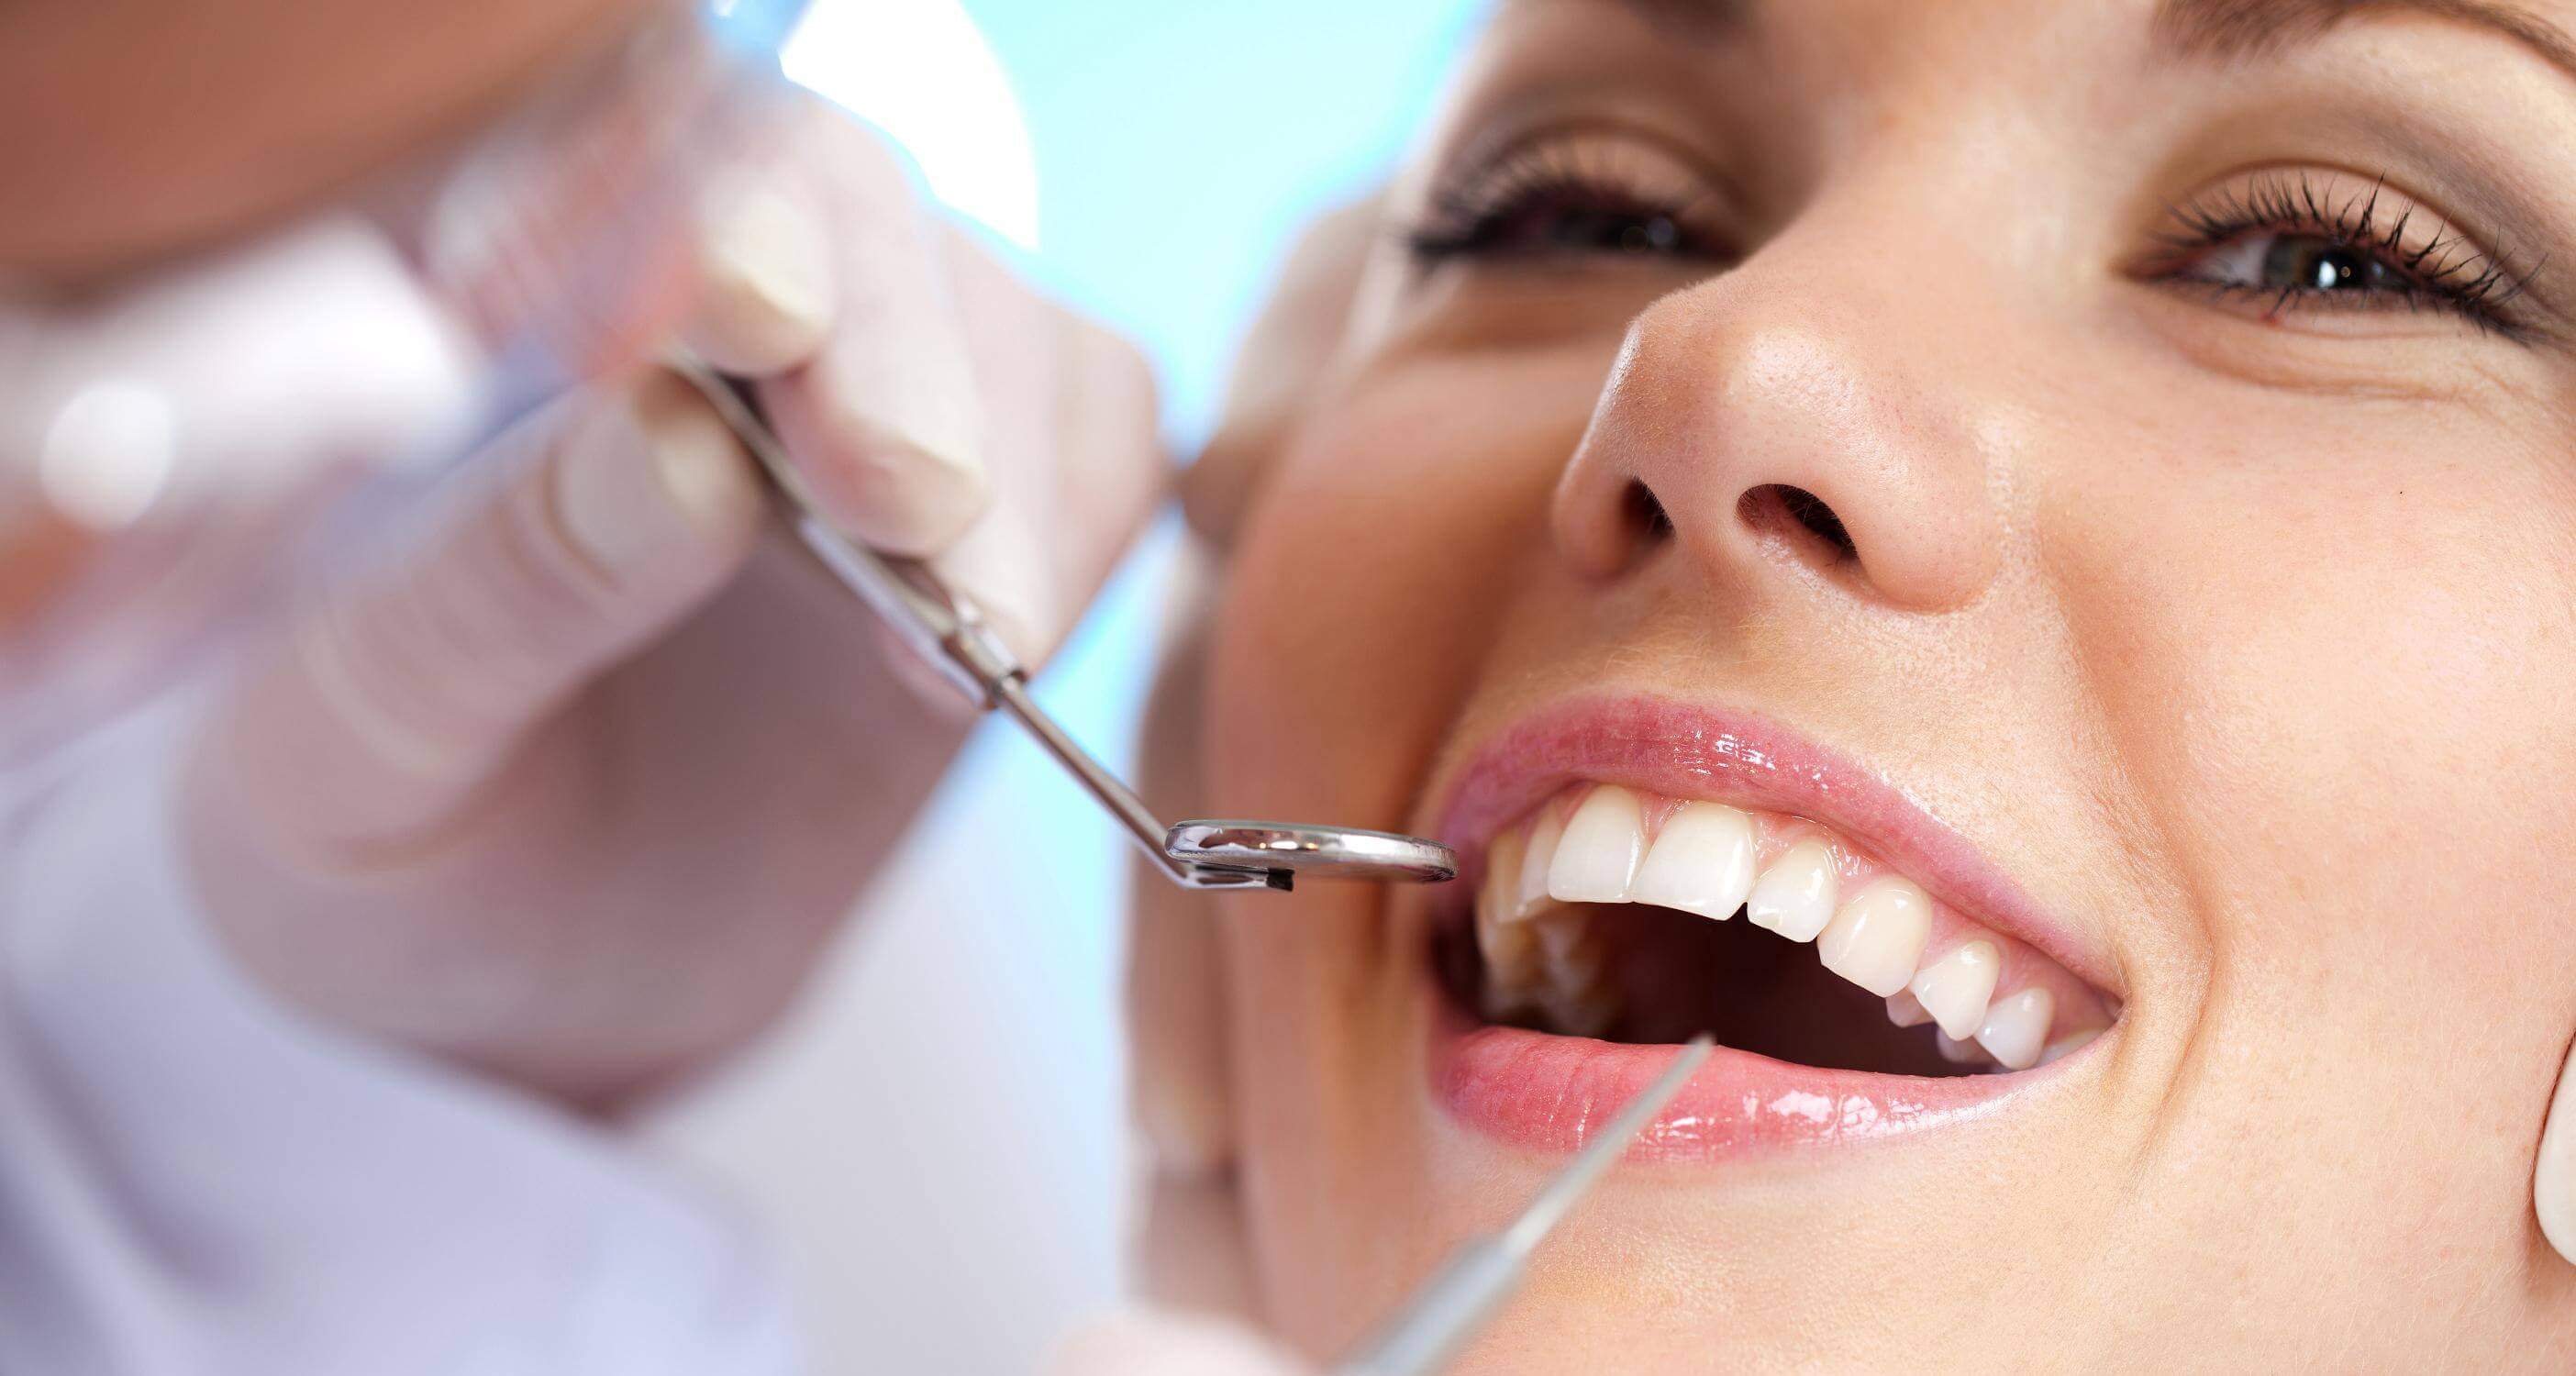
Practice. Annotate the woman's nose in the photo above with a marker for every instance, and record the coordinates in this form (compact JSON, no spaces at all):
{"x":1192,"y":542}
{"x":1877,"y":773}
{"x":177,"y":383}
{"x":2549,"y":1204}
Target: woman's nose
{"x":1769,"y":419}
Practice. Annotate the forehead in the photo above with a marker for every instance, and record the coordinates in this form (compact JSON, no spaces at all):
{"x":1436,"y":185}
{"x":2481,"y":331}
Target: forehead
{"x":2215,"y":29}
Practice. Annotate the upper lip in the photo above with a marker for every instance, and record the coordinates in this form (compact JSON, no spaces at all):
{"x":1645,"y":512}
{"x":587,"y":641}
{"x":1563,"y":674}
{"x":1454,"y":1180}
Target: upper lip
{"x":1724,"y":754}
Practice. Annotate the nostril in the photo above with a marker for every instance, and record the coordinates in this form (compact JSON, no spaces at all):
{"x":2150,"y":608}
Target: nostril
{"x":1775,"y":505}
{"x":1646,"y":515}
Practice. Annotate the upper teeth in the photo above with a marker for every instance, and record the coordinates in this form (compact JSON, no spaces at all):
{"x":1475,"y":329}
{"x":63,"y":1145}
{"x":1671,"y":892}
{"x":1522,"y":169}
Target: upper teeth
{"x":1702,"y":863}
{"x":1706,"y":858}
{"x":1795,"y":896}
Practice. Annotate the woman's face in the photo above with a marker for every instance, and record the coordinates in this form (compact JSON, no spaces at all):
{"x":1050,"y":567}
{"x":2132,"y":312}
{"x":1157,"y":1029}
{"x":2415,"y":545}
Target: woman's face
{"x":2071,"y":510}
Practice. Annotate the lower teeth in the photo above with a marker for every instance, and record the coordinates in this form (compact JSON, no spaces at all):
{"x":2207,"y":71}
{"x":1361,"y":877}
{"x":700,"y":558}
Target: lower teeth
{"x":1637,"y":973}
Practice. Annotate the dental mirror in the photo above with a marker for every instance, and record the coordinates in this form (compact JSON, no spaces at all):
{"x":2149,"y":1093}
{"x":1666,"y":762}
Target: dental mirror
{"x":1325,"y":852}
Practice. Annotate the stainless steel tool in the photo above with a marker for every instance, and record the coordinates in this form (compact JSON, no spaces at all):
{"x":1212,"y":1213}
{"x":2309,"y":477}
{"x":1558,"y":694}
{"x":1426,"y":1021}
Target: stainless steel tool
{"x":1470,"y":1289}
{"x":943,"y":626}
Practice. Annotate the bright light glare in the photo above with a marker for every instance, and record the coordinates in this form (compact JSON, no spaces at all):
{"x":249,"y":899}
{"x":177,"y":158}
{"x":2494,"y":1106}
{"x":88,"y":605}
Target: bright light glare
{"x":920,"y":71}
{"x":108,"y":454}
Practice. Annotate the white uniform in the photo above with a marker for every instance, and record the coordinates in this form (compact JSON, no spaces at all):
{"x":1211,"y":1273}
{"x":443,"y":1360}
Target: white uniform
{"x":194,"y":1180}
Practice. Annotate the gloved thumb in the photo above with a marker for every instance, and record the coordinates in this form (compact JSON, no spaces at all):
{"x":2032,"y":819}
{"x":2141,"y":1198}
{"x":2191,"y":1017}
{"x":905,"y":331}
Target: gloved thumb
{"x":1167,"y":1343}
{"x":406,"y":688}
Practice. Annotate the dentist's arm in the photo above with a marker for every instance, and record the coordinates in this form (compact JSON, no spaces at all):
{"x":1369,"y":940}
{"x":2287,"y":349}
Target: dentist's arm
{"x":573,"y":782}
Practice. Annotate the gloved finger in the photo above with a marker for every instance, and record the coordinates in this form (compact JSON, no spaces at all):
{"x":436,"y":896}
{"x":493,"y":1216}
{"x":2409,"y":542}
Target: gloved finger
{"x":1116,"y":472}
{"x":767,"y":291}
{"x":1071,"y":431}
{"x":1284,"y":360}
{"x":1148,"y":1343}
{"x":883,"y":419}
{"x":404,"y":690}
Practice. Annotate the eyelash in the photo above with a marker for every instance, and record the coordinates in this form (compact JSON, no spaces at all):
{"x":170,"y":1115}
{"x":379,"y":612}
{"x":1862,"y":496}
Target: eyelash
{"x":2445,"y":272}
{"x":1487,"y":212}
{"x":1478,"y":213}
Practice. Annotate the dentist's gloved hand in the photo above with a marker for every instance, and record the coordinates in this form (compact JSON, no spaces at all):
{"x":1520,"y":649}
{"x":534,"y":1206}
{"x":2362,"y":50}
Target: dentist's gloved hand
{"x":1151,"y":1343}
{"x":571,"y":784}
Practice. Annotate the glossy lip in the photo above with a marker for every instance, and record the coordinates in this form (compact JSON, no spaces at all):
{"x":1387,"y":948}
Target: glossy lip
{"x":1688,"y":751}
{"x":1544,"y":1093}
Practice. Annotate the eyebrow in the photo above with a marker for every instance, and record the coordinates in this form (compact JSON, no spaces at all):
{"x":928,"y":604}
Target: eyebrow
{"x":2219,"y":29}
{"x":2225,"y":29}
{"x":1695,"y":21}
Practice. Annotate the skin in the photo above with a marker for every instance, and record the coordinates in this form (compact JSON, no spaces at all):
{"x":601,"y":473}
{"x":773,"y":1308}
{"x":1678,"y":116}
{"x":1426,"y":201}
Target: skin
{"x":169,"y":129}
{"x":2239,"y":636}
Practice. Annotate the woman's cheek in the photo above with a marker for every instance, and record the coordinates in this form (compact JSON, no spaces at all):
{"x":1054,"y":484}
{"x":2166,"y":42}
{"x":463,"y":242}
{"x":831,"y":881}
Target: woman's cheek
{"x":2336,"y":661}
{"x":1368,"y":580}
{"x":1374,"y":570}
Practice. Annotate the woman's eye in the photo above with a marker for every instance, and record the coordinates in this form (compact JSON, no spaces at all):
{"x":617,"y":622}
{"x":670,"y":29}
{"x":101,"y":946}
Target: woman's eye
{"x":2301,"y":241}
{"x":2290,"y":263}
{"x":1554,"y":227}
{"x":1570,"y":199}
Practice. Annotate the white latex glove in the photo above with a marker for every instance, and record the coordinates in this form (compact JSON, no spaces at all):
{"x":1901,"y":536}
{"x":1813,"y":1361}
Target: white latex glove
{"x":1150,"y":1343}
{"x":573,"y":783}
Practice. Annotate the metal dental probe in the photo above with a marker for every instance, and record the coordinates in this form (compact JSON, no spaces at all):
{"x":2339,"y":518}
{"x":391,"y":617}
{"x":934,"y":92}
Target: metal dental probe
{"x":943,"y":626}
{"x":1471,"y":1287}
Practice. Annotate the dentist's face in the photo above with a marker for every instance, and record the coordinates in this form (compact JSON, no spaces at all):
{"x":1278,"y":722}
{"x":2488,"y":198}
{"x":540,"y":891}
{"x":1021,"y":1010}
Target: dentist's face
{"x":2063,"y":514}
{"x":139,"y":130}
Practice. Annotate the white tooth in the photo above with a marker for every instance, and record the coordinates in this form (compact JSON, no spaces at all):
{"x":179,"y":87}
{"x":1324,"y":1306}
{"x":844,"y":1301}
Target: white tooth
{"x":2017,"y":1026}
{"x":1535,"y":859}
{"x":2068,"y":1045}
{"x":1597,"y":856}
{"x":1510,"y":951}
{"x":1702,"y":862}
{"x":1954,"y":989}
{"x":1957,"y":1052}
{"x":1574,"y":959}
{"x":1570,"y":987}
{"x":1507,"y":945}
{"x":1503,"y":865}
{"x":1905,"y":1010}
{"x":1795,"y":897}
{"x":1876,"y":938}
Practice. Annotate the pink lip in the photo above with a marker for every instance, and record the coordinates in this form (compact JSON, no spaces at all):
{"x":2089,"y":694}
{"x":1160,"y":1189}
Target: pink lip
{"x":1684,"y":750}
{"x":1544,"y":1093}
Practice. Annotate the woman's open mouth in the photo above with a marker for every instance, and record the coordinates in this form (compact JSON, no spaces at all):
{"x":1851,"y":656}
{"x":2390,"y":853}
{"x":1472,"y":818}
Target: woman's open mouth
{"x":1644,"y":871}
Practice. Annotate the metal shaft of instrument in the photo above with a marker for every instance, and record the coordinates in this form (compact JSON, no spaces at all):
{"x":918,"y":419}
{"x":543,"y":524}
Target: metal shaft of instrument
{"x":927,"y":616}
{"x":1012,"y":696}
{"x":1439,"y":1319}
{"x":1576,"y":1179}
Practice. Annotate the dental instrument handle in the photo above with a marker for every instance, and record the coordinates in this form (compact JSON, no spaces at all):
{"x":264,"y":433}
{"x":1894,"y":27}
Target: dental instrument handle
{"x":1472,"y":1286}
{"x":945,"y":630}
{"x":977,"y":661}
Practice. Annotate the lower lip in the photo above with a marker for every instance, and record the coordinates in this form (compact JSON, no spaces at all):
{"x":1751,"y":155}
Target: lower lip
{"x":1542,"y":1093}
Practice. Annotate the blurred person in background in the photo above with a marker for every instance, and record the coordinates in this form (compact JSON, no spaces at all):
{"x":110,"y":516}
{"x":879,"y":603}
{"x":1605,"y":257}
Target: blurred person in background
{"x":361,"y":873}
